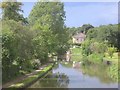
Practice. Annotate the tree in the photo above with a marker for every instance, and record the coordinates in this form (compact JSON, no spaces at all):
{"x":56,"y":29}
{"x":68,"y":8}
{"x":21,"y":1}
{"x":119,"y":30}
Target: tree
{"x":17,"y":49}
{"x":106,"y":33}
{"x":47,"y":18}
{"x":86,"y":47}
{"x":86,"y":27}
{"x":11,"y":10}
{"x":98,"y":47}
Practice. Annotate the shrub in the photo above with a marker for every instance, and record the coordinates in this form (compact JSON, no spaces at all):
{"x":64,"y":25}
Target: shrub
{"x":16,"y":48}
{"x":111,"y":50}
{"x":95,"y":58}
{"x":86,"y":47}
{"x":97,"y":47}
{"x":36,"y":63}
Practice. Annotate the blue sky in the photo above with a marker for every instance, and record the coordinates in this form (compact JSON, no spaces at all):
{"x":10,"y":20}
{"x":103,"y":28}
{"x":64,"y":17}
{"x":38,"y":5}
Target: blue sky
{"x":79,"y":13}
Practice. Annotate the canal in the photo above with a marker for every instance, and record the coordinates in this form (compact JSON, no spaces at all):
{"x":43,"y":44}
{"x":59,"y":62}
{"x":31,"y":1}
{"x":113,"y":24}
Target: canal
{"x":64,"y":75}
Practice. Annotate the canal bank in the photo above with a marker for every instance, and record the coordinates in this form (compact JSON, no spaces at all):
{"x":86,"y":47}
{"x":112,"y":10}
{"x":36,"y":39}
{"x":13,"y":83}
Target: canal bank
{"x":27,"y":80}
{"x":98,"y":59}
{"x":66,"y":76}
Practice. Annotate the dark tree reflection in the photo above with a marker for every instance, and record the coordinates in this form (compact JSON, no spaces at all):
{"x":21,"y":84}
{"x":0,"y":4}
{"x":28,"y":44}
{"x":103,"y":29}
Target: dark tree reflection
{"x":99,"y":71}
{"x":56,"y":80}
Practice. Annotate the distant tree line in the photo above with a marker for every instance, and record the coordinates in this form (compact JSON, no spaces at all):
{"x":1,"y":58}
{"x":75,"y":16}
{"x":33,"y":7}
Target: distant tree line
{"x":83,"y":29}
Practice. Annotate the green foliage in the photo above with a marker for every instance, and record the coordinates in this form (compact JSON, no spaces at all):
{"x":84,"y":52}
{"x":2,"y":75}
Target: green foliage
{"x":95,"y":58}
{"x":8,"y":55}
{"x":28,"y":80}
{"x":86,"y":47}
{"x":108,"y":34}
{"x":86,"y":27}
{"x":98,"y":47}
{"x":111,"y":50}
{"x":25,"y":48}
{"x":22,"y":44}
{"x":76,"y":54}
{"x":47,"y":18}
{"x":72,"y":31}
{"x":99,"y":41}
{"x":113,"y":72}
{"x":11,"y":10}
{"x":16,"y":48}
{"x":36,"y":64}
{"x":98,"y":70}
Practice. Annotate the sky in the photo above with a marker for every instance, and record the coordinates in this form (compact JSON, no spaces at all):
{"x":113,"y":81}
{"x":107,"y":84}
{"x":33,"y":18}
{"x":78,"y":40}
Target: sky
{"x":93,"y":13}
{"x":79,"y":13}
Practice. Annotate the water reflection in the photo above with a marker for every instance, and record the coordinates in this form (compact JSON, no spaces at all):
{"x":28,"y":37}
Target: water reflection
{"x":65,"y":76}
{"x":99,"y":71}
{"x":92,"y":70}
{"x":94,"y":74}
{"x":57,"y":80}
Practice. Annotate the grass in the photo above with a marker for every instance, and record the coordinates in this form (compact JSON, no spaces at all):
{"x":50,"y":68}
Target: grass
{"x":32,"y":78}
{"x":76,"y":54}
{"x":76,"y":50}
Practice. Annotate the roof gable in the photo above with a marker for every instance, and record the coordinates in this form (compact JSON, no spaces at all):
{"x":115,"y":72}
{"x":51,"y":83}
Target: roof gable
{"x":79,"y":35}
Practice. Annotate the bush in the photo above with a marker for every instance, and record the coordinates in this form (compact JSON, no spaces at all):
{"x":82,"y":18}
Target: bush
{"x":97,"y":47}
{"x":16,"y":48}
{"x":9,"y":72}
{"x":95,"y":58}
{"x":111,"y":50}
{"x":36,"y":63}
{"x":86,"y":47}
{"x":85,"y":59}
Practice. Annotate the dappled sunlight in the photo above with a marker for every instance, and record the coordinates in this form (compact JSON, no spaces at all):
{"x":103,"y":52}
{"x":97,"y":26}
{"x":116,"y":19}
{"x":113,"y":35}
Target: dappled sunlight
{"x":17,"y":85}
{"x":34,"y":76}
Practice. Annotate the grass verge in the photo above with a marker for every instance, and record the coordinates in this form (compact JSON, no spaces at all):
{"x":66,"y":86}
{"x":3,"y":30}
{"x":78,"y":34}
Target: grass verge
{"x":28,"y":81}
{"x":76,"y":54}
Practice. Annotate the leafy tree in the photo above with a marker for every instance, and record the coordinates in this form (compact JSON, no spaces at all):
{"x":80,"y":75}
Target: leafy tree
{"x":97,"y":47}
{"x":86,"y":47}
{"x":11,"y":10}
{"x":118,"y":38}
{"x":106,"y":33}
{"x":72,"y":31}
{"x":47,"y":18}
{"x":86,"y":27}
{"x":16,"y":49}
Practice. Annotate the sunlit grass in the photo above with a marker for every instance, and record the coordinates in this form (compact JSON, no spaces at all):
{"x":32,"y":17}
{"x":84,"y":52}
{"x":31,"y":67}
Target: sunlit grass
{"x":76,"y":50}
{"x":17,"y":85}
{"x":76,"y":54}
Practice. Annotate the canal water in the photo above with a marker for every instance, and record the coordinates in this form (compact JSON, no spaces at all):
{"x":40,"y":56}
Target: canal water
{"x":64,"y":75}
